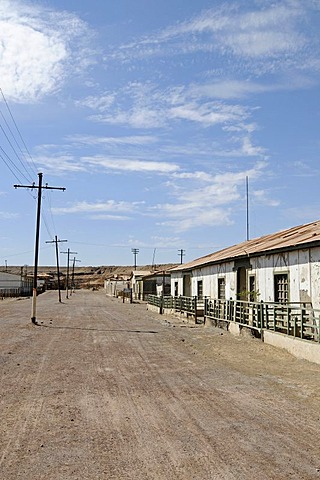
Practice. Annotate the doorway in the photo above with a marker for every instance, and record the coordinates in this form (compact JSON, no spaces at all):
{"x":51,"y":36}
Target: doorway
{"x":187,"y":285}
{"x":242,"y":283}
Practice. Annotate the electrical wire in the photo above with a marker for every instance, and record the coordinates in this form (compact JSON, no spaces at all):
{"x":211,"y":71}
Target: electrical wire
{"x":16,"y":126}
{"x":28,"y":167}
{"x":12,"y":163}
{"x":20,"y":161}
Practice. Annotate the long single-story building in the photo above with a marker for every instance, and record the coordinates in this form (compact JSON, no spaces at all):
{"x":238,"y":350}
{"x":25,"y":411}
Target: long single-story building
{"x":14,"y":285}
{"x":282,"y":267}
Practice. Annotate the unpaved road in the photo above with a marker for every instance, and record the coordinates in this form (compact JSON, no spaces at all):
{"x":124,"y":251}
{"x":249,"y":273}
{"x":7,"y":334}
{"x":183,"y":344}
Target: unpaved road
{"x":105,"y":390}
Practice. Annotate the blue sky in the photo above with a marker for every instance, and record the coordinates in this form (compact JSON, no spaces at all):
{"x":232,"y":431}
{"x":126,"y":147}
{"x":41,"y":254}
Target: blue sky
{"x":152,"y":114}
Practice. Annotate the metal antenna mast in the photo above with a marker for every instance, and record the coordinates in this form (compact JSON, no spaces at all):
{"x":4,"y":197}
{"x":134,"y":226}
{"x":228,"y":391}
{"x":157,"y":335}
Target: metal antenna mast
{"x":247,"y":206}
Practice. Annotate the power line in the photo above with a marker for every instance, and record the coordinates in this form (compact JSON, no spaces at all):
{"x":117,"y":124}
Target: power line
{"x":15,"y":151}
{"x":14,"y":166}
{"x":14,"y":138}
{"x":26,"y":169}
{"x":15,"y":124}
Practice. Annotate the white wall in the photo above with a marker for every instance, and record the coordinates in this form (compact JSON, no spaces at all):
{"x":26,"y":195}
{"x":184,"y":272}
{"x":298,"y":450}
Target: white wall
{"x":7,"y":280}
{"x":302,"y":267}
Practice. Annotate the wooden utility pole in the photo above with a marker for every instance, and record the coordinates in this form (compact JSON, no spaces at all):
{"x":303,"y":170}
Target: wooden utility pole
{"x":135,"y":252}
{"x":72,"y":279}
{"x":182,"y":254}
{"x":68,"y":252}
{"x":56,"y":241}
{"x":39,"y":187}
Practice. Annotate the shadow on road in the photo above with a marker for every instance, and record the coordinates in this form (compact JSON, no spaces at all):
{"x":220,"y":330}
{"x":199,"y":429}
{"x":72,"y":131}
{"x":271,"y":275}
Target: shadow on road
{"x":96,"y":329}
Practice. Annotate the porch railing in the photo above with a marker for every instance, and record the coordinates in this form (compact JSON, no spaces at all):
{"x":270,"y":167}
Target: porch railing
{"x":16,"y":292}
{"x":297,"y":320}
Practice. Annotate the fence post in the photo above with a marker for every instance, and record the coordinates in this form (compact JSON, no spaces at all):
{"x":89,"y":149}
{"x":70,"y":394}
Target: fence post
{"x":235,"y":310}
{"x":261,"y":315}
{"x":288,"y":320}
{"x":205,"y":306}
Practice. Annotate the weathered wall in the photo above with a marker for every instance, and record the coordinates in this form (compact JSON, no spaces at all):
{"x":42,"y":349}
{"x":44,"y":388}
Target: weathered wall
{"x":302,"y":267}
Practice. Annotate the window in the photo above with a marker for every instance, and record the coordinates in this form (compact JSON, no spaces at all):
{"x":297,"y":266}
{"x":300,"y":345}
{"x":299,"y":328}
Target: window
{"x":176,"y":289}
{"x":222,"y":288}
{"x":281,"y":291}
{"x":200,"y":289}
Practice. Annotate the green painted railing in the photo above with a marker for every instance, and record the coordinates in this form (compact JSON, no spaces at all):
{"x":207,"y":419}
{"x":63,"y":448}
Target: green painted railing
{"x":297,"y":320}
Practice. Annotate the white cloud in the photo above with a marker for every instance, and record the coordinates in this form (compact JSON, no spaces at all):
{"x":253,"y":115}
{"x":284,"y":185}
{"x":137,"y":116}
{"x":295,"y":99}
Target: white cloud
{"x":8,"y":215}
{"x":262,"y":197}
{"x":110,"y":217}
{"x":35,"y":49}
{"x":58,"y":164}
{"x":184,"y":221}
{"x":210,"y":113}
{"x":98,"y":207}
{"x":113,"y":141}
{"x":101,"y":103}
{"x":131,"y":165}
{"x":146,"y":106}
{"x":261,"y":37}
{"x":204,"y":200}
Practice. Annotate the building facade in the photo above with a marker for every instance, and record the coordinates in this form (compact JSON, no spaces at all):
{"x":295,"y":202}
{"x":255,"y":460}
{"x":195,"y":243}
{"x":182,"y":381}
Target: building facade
{"x":283,"y":267}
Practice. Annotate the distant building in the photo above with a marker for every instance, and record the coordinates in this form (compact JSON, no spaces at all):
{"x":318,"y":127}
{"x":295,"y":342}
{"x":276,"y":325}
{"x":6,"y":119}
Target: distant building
{"x":14,"y":285}
{"x":114,"y":285}
{"x":156,"y":283}
{"x":136,"y":283}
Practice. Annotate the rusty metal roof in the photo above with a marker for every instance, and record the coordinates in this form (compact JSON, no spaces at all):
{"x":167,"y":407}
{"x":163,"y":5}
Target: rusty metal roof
{"x":285,"y":239}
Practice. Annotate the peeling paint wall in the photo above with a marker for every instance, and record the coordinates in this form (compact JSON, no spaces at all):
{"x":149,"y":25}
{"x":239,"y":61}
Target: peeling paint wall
{"x":302,"y":267}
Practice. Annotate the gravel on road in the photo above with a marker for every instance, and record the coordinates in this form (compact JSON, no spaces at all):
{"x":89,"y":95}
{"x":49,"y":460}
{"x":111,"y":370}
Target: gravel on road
{"x":107,"y":390}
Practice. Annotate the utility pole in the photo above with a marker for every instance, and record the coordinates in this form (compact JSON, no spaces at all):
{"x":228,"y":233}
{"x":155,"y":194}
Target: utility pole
{"x":56,"y":241}
{"x":6,"y":263}
{"x":135,"y":252}
{"x":68,"y":260}
{"x":40,"y":187}
{"x":72,"y":280}
{"x":182,"y":254}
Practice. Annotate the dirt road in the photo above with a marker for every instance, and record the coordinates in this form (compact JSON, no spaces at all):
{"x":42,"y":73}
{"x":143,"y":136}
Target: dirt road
{"x":105,"y":390}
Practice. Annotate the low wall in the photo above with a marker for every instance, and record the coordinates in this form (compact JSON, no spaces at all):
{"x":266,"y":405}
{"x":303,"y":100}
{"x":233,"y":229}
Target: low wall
{"x":297,"y":347}
{"x":303,"y":349}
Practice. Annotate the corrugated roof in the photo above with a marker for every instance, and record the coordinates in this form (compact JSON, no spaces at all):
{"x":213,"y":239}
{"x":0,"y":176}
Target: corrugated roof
{"x":285,"y":239}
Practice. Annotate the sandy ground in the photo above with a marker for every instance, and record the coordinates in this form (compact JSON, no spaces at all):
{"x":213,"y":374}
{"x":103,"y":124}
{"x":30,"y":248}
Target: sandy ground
{"x":106,"y":390}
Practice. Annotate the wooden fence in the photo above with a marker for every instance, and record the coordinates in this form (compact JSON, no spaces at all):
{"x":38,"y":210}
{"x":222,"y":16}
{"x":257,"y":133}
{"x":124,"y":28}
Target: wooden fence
{"x":297,"y":320}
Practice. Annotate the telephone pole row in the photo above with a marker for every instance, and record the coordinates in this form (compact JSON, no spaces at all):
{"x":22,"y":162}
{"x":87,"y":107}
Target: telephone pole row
{"x":38,"y":187}
{"x":72,"y":279}
{"x":56,"y":241}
